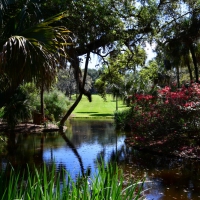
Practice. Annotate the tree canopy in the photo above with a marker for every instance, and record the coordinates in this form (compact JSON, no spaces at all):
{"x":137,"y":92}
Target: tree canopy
{"x":31,"y":48}
{"x":33,"y":34}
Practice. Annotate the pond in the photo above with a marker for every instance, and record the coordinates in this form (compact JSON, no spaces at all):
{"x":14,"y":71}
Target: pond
{"x":86,"y":141}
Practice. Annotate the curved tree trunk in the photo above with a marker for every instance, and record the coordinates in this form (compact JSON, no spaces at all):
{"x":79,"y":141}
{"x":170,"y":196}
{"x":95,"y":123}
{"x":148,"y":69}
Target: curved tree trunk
{"x":81,"y":85}
{"x":69,"y":112}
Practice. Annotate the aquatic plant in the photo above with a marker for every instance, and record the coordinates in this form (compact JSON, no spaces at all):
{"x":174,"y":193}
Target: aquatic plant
{"x":48,"y":184}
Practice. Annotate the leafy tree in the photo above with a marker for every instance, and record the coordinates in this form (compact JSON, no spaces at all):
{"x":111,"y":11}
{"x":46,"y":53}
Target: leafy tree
{"x":148,"y":75}
{"x":31,"y":48}
{"x":100,"y":27}
{"x":66,"y":82}
{"x":178,"y":38}
{"x":119,"y":67}
{"x":94,"y":74}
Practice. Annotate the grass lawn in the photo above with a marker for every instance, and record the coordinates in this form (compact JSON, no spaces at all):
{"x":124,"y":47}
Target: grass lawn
{"x":98,"y":108}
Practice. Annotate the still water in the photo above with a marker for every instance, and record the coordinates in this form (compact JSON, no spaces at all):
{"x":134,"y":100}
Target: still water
{"x":86,"y":141}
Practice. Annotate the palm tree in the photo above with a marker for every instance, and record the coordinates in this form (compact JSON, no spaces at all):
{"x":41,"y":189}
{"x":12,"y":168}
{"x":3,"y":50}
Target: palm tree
{"x":31,"y":49}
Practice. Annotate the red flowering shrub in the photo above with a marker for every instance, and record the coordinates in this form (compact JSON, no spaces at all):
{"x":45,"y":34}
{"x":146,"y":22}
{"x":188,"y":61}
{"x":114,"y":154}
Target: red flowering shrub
{"x":168,"y":111}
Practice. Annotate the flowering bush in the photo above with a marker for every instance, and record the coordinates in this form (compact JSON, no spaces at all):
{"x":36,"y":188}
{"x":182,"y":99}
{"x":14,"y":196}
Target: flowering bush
{"x":168,"y":111}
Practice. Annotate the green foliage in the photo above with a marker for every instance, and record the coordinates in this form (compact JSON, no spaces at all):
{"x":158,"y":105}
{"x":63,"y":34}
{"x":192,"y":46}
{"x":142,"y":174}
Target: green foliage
{"x":120,"y":75}
{"x":20,"y":106}
{"x":26,"y":100}
{"x":30,"y":90}
{"x":100,"y":86}
{"x":45,"y":184}
{"x":56,"y":104}
{"x":32,"y":49}
{"x":1,"y":112}
{"x":148,"y":74}
{"x":122,"y":117}
{"x":128,"y":60}
{"x":66,"y":82}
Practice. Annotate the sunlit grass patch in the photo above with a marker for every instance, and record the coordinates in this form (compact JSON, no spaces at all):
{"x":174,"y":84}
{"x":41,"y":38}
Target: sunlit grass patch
{"x":98,"y":108}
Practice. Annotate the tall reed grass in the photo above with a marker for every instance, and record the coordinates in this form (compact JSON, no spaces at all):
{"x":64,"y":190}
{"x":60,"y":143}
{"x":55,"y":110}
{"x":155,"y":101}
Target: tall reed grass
{"x":48,"y":184}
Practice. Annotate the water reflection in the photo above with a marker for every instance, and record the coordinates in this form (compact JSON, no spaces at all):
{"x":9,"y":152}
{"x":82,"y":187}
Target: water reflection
{"x":86,"y":141}
{"x":171,"y":178}
{"x":73,"y":148}
{"x":92,"y":140}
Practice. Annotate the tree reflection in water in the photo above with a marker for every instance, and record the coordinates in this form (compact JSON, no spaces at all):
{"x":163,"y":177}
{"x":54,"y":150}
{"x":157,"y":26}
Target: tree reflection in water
{"x":87,"y":141}
{"x":73,"y":148}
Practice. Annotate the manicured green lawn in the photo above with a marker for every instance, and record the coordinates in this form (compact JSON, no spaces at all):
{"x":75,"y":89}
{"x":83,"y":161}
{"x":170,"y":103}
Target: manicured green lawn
{"x":97,"y":108}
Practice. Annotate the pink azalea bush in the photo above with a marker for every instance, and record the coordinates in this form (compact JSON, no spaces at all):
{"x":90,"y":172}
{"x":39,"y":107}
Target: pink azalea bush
{"x":170,"y":110}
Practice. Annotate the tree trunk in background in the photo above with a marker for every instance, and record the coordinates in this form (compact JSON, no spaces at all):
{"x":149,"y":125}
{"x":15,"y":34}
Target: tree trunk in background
{"x":190,"y":70}
{"x":189,"y":67}
{"x":178,"y":76}
{"x":42,"y":102}
{"x":116,"y":102}
{"x":195,"y":63}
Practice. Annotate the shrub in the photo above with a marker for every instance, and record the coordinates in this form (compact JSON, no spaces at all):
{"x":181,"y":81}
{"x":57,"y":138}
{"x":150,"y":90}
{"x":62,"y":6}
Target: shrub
{"x":56,"y":104}
{"x":26,"y":100}
{"x":121,"y":118}
{"x":176,"y":109}
{"x":21,"y":105}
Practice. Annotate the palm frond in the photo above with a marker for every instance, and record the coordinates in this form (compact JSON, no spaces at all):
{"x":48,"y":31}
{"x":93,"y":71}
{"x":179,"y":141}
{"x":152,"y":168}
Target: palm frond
{"x":25,"y":60}
{"x":35,"y":54}
{"x":54,"y":18}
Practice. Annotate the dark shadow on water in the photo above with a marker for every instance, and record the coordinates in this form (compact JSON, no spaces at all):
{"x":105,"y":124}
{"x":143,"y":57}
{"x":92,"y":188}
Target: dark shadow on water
{"x":74,"y":150}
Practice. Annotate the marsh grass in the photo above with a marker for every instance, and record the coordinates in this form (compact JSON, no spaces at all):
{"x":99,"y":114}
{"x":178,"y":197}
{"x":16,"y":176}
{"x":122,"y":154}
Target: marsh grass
{"x":48,"y":184}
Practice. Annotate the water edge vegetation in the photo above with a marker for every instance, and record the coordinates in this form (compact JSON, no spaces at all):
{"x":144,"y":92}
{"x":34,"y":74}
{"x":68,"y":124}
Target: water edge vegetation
{"x":47,"y":183}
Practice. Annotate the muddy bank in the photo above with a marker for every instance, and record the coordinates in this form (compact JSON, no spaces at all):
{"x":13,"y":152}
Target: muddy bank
{"x":30,"y":128}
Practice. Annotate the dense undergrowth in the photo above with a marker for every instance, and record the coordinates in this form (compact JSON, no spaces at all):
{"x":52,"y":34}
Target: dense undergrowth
{"x":26,"y":101}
